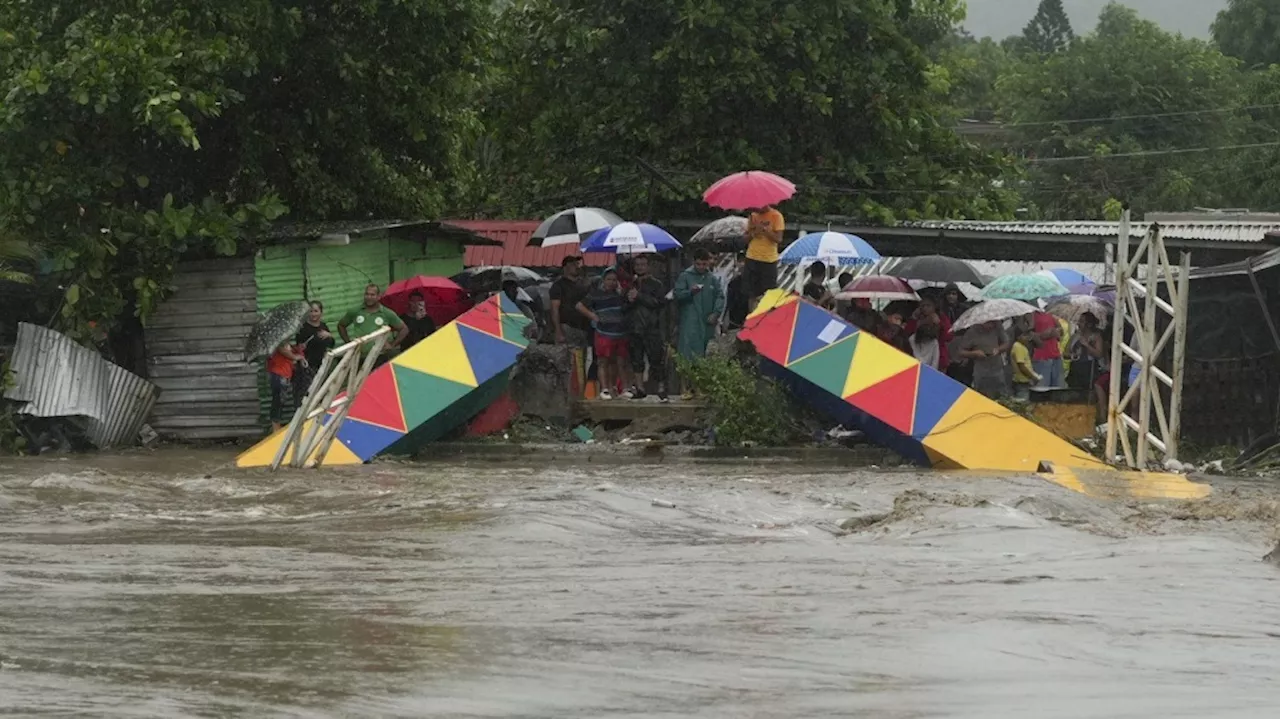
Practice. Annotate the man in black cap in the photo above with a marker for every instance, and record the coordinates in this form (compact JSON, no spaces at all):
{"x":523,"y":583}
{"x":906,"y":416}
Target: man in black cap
{"x":569,"y":325}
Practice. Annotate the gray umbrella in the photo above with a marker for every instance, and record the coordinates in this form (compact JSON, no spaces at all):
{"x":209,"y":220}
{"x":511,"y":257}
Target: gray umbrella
{"x":277,"y":326}
{"x":936,"y":268}
{"x":1072,"y":307}
{"x":725,"y":234}
{"x":992,"y":311}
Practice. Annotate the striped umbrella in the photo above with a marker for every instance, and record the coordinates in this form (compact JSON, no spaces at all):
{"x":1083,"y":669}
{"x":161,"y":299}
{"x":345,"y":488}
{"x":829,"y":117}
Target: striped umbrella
{"x":832,"y":248}
{"x":572,"y":226}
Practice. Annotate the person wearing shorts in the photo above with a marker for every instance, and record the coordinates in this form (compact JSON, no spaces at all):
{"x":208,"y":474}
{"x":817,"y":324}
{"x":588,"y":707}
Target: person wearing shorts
{"x":764,"y":236}
{"x":604,"y":307}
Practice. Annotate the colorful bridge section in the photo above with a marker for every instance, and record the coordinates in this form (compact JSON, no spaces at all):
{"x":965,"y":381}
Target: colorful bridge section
{"x":426,"y":391}
{"x":919,"y":412}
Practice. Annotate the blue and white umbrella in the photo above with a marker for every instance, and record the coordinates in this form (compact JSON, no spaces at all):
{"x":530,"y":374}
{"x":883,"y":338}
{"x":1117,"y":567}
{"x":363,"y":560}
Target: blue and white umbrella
{"x":832,"y":248}
{"x":1068,"y":277}
{"x":631,"y":238}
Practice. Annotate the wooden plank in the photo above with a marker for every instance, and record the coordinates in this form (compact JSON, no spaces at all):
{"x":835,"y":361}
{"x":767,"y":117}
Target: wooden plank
{"x":205,"y":422}
{"x":230,"y":358}
{"x":178,"y":370}
{"x":192,"y":434}
{"x":211,"y":309}
{"x":176,"y":327}
{"x":194,"y":346}
{"x":243,"y":408}
{"x":218,"y":292}
{"x":193,"y":396}
{"x":207,"y":381}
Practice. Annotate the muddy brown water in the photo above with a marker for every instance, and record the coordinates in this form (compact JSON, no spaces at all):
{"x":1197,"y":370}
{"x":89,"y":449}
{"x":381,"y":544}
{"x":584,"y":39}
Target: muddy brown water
{"x":168,"y":584}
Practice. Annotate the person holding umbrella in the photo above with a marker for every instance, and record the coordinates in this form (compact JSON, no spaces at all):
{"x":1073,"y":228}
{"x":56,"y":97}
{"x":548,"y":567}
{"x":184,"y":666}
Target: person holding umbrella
{"x":759,"y":192}
{"x":764,"y":236}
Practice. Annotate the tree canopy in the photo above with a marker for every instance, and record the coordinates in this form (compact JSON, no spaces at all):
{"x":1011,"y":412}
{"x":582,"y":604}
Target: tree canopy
{"x":1120,"y":114}
{"x":1250,"y":30}
{"x":135,"y":131}
{"x":842,"y":95}
{"x":1049,"y":30}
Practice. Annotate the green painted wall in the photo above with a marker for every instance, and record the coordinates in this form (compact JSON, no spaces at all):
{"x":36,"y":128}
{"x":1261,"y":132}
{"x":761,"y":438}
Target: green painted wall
{"x":441,"y":259}
{"x":337,"y":276}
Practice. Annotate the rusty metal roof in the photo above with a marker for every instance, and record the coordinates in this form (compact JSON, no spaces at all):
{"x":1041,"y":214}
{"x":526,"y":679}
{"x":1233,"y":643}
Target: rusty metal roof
{"x":356,"y":228}
{"x":514,"y":249}
{"x":1209,"y":231}
{"x":58,"y":378}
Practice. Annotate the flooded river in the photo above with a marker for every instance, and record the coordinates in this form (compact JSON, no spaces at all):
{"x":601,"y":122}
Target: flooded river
{"x":170,"y":585}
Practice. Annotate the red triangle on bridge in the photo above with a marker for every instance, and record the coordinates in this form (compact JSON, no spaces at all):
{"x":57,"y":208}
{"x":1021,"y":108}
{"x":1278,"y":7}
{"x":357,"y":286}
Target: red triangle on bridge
{"x":892,"y":401}
{"x":379,"y":401}
{"x":486,"y":317}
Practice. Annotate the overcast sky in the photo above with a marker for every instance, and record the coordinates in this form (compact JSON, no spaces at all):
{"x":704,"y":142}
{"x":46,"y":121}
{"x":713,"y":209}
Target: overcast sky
{"x":1001,"y":18}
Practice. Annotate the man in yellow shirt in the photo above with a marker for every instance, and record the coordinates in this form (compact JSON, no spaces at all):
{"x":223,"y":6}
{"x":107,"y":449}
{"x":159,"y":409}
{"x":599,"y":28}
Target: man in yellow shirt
{"x":1024,"y":376}
{"x":1064,"y":346}
{"x":764,"y":235}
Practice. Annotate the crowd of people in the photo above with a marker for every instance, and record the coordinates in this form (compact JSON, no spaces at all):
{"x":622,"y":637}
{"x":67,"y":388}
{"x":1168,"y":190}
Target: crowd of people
{"x":998,"y":359}
{"x":624,"y":318}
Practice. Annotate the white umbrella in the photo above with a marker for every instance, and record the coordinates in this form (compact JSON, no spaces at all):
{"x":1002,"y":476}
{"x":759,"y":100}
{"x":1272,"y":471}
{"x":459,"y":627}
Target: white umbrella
{"x":992,"y":311}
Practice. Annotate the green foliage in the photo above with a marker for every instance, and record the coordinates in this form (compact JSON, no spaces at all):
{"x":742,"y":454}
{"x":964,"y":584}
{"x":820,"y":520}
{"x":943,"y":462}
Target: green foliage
{"x":1250,"y":30}
{"x":14,"y":255}
{"x":135,"y":132}
{"x":1050,"y":30}
{"x":1081,"y":102}
{"x":844,"y":97}
{"x":744,"y":406}
{"x":11,"y":440}
{"x":974,"y":67}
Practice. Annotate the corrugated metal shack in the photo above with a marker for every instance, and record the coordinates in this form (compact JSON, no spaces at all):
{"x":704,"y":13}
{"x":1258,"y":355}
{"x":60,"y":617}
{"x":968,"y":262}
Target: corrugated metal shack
{"x":194,"y":345}
{"x":55,"y":377}
{"x":196,"y":336}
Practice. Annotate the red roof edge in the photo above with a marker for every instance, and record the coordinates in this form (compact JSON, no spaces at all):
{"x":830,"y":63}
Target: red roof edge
{"x":515,"y":250}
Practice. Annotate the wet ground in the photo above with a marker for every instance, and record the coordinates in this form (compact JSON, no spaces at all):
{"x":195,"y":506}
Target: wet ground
{"x":169,"y":584}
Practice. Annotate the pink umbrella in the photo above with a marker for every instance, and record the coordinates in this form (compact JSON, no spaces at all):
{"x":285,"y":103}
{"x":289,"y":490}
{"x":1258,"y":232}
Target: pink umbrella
{"x":878,"y":287}
{"x":748,"y":190}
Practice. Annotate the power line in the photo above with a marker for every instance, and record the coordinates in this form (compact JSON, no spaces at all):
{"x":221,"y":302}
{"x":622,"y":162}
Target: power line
{"x":1145,"y":116}
{"x":1149,"y":153}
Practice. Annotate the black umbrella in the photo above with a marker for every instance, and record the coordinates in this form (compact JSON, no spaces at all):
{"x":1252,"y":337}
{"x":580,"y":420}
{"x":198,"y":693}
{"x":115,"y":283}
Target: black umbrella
{"x":936,"y":268}
{"x":478,"y":280}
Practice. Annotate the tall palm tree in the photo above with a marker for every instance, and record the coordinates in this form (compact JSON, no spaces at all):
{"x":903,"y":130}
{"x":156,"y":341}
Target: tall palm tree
{"x":14,"y":251}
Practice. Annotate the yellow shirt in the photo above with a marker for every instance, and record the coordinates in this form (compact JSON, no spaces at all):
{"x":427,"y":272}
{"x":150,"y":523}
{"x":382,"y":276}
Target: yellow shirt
{"x":760,"y":248}
{"x":1021,"y":357}
{"x":1064,"y":342}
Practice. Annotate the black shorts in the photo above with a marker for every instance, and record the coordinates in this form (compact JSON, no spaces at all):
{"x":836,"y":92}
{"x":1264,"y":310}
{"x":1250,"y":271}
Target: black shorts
{"x":759,"y":277}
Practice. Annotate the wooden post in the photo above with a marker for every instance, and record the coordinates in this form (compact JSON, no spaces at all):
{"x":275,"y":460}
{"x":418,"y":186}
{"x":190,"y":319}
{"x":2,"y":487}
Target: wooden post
{"x":1147,"y":331}
{"x":1121,"y":256}
{"x":1181,"y":304}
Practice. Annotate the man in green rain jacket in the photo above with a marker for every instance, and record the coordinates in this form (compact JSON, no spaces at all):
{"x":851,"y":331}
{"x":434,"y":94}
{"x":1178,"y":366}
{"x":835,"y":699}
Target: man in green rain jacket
{"x":700,"y":298}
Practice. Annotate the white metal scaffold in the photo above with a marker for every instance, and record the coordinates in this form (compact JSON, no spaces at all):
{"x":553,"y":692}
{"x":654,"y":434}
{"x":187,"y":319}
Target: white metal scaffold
{"x":344,"y":369}
{"x":1150,"y":343}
